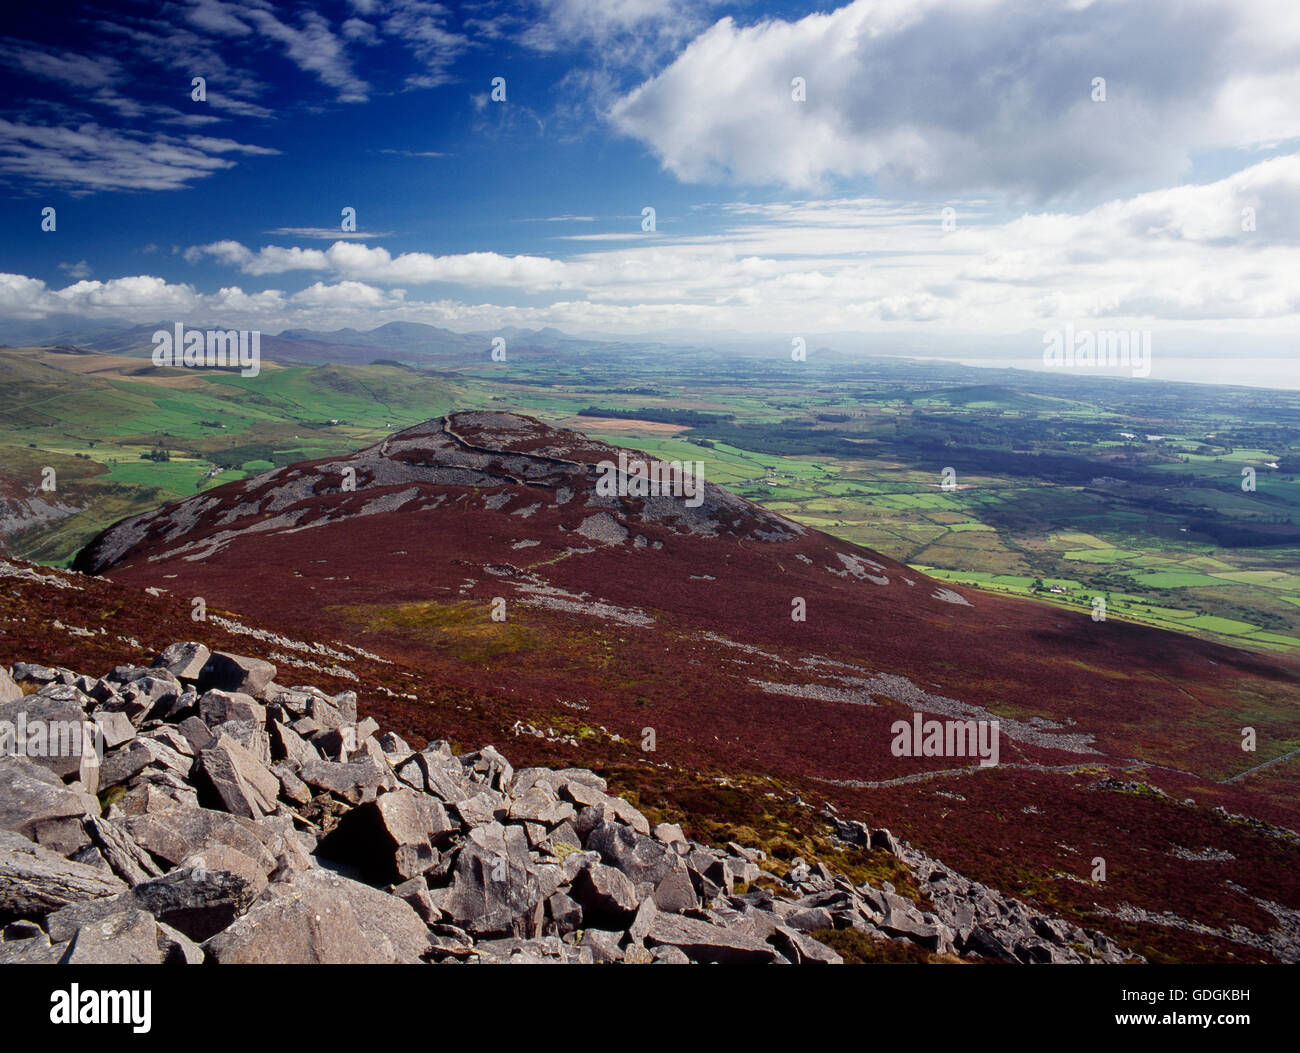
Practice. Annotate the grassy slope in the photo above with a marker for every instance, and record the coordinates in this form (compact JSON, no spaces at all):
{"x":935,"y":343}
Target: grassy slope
{"x":93,"y":427}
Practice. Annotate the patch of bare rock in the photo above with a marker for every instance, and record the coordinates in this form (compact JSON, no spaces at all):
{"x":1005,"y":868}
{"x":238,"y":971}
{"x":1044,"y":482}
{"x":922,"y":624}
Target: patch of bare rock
{"x":229,"y":819}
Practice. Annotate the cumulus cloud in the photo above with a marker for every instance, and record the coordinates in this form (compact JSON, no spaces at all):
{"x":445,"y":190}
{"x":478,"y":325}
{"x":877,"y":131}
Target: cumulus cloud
{"x":1217,"y":256}
{"x":1211,"y":252}
{"x":971,"y":94}
{"x":375,"y":264}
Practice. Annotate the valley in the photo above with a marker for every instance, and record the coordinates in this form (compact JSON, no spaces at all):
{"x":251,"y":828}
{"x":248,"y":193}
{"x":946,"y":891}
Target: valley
{"x":1066,"y":489}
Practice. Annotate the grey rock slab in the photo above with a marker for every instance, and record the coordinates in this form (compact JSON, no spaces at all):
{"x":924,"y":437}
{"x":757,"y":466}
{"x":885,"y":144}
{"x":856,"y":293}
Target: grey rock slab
{"x":388,"y":924}
{"x":603,"y":944}
{"x":292,"y":788}
{"x":491,"y":895}
{"x":810,"y":919}
{"x":393,"y":837}
{"x":801,"y":949}
{"x":201,"y":900}
{"x":130,"y":937}
{"x":177,"y":948}
{"x":298,"y":927}
{"x":702,"y":942}
{"x":52,"y":732}
{"x":67,"y":837}
{"x":606,"y":895}
{"x":245,"y":786}
{"x":31,"y":796}
{"x":185,"y":661}
{"x":481,"y":809}
{"x":353,"y":781}
{"x":675,"y":893}
{"x":30,"y":673}
{"x":670,"y":834}
{"x":538,"y":804}
{"x":233,"y":672}
{"x":564,"y":912}
{"x":36,"y":951}
{"x":175,"y":835}
{"x":127,"y":859}
{"x":416,"y":893}
{"x":114,"y":728}
{"x":640,"y":857}
{"x":668,"y":955}
{"x":34,"y":880}
{"x":197,"y":733}
{"x":217,"y":707}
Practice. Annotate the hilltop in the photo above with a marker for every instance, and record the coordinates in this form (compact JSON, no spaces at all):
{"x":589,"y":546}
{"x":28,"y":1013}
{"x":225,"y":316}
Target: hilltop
{"x":618,"y":615}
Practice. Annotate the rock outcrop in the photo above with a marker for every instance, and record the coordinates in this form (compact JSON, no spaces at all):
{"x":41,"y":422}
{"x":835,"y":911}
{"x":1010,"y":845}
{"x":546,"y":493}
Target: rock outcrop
{"x":222,"y":817}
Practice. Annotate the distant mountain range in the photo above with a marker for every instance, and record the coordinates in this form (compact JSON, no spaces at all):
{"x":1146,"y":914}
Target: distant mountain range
{"x":411,"y":342}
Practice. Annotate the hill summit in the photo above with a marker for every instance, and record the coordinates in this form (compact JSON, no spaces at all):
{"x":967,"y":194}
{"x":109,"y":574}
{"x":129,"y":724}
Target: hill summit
{"x":558,"y":587}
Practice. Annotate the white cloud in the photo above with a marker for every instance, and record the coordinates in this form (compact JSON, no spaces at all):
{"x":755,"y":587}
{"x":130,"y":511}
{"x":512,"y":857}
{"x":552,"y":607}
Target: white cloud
{"x":422,"y":28}
{"x":620,"y":32}
{"x":327,"y":233}
{"x":970,"y":94}
{"x":90,"y":157}
{"x":378,"y":265}
{"x":1175,"y":254}
{"x":1174,"y":257}
{"x":81,"y":72}
{"x":314,"y":48}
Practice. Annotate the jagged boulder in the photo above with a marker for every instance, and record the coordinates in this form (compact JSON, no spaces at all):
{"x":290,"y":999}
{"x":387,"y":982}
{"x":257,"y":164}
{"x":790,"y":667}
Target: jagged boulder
{"x":217,"y":707}
{"x":233,"y":672}
{"x":701,"y":942}
{"x":354,"y":781}
{"x":607,"y":896}
{"x":34,"y":880}
{"x":175,"y":835}
{"x":243,"y":783}
{"x":127,"y":937}
{"x":491,"y":894}
{"x":392,"y":838}
{"x":33,"y":800}
{"x":318,"y":916}
{"x":641,"y":858}
{"x":185,"y":661}
{"x":51,"y":729}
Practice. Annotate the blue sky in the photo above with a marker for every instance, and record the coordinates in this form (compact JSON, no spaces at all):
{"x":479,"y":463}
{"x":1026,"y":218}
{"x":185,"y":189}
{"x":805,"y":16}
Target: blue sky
{"x":774,"y":214}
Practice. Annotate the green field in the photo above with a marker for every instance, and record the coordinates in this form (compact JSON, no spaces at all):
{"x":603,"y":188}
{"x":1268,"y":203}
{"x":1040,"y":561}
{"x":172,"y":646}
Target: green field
{"x":1092,"y":488}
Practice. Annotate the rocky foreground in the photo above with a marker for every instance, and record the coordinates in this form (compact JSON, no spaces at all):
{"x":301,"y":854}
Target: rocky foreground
{"x":228,"y":819}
